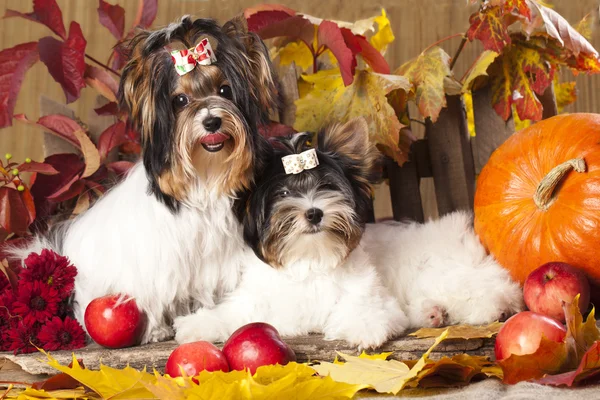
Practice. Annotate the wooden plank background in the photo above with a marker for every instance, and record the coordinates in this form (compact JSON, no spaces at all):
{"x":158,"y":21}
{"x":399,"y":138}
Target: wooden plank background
{"x":416,"y":24}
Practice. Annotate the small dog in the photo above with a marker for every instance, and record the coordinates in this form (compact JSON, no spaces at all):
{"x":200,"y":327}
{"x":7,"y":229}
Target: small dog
{"x":167,"y":235}
{"x":306,"y":220}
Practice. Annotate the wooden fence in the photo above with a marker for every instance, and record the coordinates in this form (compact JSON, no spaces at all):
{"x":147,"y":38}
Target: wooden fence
{"x":447,"y":153}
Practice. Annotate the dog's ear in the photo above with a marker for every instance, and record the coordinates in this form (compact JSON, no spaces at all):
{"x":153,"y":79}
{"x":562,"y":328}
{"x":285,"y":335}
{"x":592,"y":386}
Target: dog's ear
{"x":145,"y":93}
{"x":263,"y":81}
{"x":350,"y":143}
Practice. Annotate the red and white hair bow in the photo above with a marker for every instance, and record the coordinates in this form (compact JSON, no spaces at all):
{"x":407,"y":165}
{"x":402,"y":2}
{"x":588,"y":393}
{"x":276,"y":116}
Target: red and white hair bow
{"x":185,"y":60}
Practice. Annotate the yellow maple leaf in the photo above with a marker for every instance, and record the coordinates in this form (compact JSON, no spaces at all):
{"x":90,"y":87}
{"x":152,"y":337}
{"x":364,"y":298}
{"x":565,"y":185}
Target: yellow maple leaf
{"x":584,"y":27}
{"x":461,"y":331}
{"x":381,"y":375}
{"x":427,"y":73}
{"x":108,"y":382}
{"x":385,"y":376}
{"x":377,"y":356}
{"x":581,"y":334}
{"x":565,"y":93}
{"x":297,"y":381}
{"x":384,"y":35}
{"x":468,"y":101}
{"x":296,"y":52}
{"x":30,"y":393}
{"x":479,"y":68}
{"x":329,"y":100}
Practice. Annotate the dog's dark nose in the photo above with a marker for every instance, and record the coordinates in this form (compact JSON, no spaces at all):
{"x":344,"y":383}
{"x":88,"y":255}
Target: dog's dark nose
{"x":314,"y":215}
{"x":212,"y":124}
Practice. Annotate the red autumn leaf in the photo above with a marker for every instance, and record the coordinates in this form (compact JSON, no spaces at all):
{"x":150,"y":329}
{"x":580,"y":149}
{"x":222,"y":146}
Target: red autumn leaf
{"x":275,"y":129}
{"x":34,"y":166}
{"x":45,"y":12}
{"x":330,"y":35}
{"x":59,"y":125}
{"x":14,"y":216}
{"x":120,"y":167}
{"x":250,"y":11}
{"x":65,"y":60}
{"x":111,"y":108}
{"x":146,"y":13}
{"x":520,"y":6}
{"x":295,"y":27}
{"x":14,"y":62}
{"x":490,"y":28}
{"x":587,"y":63}
{"x":516,"y":76}
{"x":112,"y":137}
{"x":589,"y":367}
{"x":72,"y":189}
{"x":132,"y":146}
{"x":112,"y":17}
{"x":61,"y":381}
{"x":68,"y":165}
{"x":28,"y":202}
{"x":352,"y":43}
{"x":102,"y":81}
{"x":264,"y":18}
{"x":372,"y":57}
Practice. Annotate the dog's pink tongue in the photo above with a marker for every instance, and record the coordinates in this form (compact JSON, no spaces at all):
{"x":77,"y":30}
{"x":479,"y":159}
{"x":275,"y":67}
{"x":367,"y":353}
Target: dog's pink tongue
{"x":214,"y":138}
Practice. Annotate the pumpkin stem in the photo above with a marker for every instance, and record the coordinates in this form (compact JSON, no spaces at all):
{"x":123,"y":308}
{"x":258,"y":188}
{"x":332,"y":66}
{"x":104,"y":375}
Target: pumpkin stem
{"x":544,"y":195}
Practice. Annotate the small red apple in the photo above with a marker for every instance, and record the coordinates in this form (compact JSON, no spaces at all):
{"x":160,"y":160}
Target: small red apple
{"x":255,"y":345}
{"x":195,"y":357}
{"x":522,"y":334}
{"x":115,"y":321}
{"x":549,"y":285}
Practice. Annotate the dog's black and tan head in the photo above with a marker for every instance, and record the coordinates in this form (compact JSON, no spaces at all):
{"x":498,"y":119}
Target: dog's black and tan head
{"x":201,"y":126}
{"x":317,"y":215}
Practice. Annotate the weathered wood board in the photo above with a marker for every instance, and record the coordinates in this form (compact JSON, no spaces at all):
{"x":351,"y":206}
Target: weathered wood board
{"x":307,"y":348}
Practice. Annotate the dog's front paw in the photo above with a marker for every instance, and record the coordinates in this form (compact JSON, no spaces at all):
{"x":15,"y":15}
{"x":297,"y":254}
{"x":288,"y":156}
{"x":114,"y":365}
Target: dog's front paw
{"x":159,"y":333}
{"x":364,"y":332}
{"x":200,"y":326}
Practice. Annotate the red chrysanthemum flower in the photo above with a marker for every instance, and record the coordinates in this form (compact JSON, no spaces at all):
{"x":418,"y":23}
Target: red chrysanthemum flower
{"x":57,"y":334}
{"x":4,"y":282}
{"x":36,"y":302}
{"x":22,"y":337}
{"x":7,"y":299}
{"x":52,"y":269}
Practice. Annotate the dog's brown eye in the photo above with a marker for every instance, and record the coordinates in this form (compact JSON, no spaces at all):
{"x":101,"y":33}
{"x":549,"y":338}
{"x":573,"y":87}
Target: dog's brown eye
{"x":180,"y":101}
{"x":283,"y":193}
{"x":225,"y":91}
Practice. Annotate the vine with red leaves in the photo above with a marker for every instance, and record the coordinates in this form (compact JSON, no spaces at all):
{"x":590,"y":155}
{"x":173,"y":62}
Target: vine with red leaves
{"x":65,"y":183}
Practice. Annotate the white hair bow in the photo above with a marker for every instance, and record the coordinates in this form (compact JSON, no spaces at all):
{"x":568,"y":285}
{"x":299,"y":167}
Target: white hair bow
{"x":296,"y":163}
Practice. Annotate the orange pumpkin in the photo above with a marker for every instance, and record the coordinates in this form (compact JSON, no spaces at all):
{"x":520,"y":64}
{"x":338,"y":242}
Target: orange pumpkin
{"x":538,"y":197}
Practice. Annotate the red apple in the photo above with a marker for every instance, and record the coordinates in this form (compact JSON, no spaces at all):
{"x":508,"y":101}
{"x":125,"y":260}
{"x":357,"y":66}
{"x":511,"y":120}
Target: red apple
{"x":549,"y":285}
{"x":522,"y":334}
{"x":255,"y":345}
{"x":115,"y":321}
{"x":195,"y":357}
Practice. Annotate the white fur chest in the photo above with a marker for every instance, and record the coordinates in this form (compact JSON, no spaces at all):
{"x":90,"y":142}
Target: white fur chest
{"x":128,"y":242}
